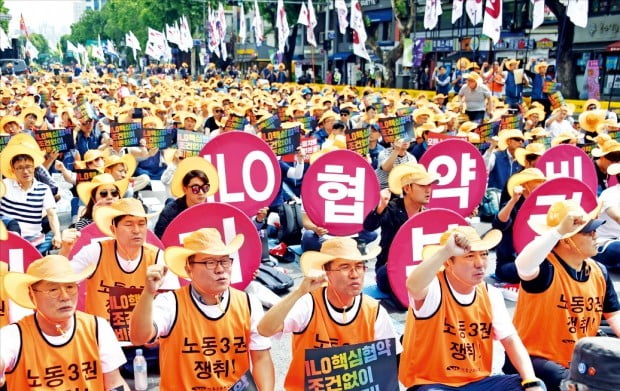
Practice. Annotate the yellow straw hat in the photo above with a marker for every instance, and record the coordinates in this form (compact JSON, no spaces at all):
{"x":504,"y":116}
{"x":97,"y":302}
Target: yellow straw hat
{"x":203,"y":241}
{"x":406,"y":173}
{"x":524,"y":176}
{"x":127,"y":159}
{"x":53,"y":268}
{"x":531,"y":149}
{"x":84,"y":189}
{"x":476,"y":242}
{"x":331,"y":249}
{"x":104,"y":215}
{"x":14,"y":149}
{"x":558,"y":211}
{"x":189,"y":164}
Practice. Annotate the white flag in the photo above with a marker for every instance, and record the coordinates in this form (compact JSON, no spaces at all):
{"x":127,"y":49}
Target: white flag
{"x":257,"y":25}
{"x":359,"y":31}
{"x":303,"y":15}
{"x":311,"y":24}
{"x":492,"y":25}
{"x":243,"y":33}
{"x":31,"y":50}
{"x":214,"y":35}
{"x":457,"y":10}
{"x":538,"y":14}
{"x":221,"y":23}
{"x":5,"y":42}
{"x":282,"y":26}
{"x":577,"y":11}
{"x":186,"y":36}
{"x":474,"y":11}
{"x":72,"y":48}
{"x":343,"y":22}
{"x":431,"y":13}
{"x":156,"y":46}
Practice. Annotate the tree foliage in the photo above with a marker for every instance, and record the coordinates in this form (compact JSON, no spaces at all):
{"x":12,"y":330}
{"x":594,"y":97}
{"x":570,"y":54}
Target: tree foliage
{"x":3,"y":10}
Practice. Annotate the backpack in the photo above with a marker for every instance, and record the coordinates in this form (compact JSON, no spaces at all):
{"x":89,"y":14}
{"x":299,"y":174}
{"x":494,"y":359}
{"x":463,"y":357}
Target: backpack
{"x":274,"y":279}
{"x":489,"y":207}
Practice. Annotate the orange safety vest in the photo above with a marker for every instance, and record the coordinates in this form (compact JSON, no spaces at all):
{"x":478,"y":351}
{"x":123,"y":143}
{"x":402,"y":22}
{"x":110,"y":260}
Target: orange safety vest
{"x":322,"y":331}
{"x":551,"y":322}
{"x":109,"y":273}
{"x":453,"y":346}
{"x":202,"y":353}
{"x":76,"y":365}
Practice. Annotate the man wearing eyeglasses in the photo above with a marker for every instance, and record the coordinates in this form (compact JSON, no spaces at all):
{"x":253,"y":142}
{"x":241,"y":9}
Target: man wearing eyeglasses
{"x":88,"y":135}
{"x":57,"y":347}
{"x":328,"y":308}
{"x":207,"y":330}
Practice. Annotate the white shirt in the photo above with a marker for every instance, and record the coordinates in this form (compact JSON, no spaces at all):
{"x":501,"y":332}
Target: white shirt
{"x":502,"y":325}
{"x":91,"y":253}
{"x":610,"y":198}
{"x":111,"y":355}
{"x":165,"y":313}
{"x":15,"y":192}
{"x":299,"y":316}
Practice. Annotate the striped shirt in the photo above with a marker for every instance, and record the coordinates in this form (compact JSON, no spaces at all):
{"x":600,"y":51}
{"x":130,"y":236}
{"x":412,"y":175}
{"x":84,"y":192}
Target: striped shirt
{"x":26,"y":207}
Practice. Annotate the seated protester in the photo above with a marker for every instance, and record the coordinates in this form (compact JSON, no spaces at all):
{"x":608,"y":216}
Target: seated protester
{"x":421,"y":132}
{"x":413,"y":184}
{"x":206,"y":308}
{"x":558,"y":122}
{"x":328,"y":306}
{"x":121,"y":259}
{"x":7,"y":223}
{"x":533,"y":118}
{"x":562,"y":289}
{"x":391,"y":157}
{"x":608,"y":240}
{"x":94,"y":159}
{"x":194,"y":180}
{"x":41,"y":172}
{"x":536,"y":135}
{"x":215,"y":120}
{"x":500,"y":159}
{"x":326,"y":122}
{"x":595,"y":365}
{"x":102,"y":190}
{"x":9,"y":124}
{"x":89,"y":136}
{"x":374,"y":146}
{"x":57,"y":335}
{"x":589,"y":122}
{"x":26,"y":198}
{"x":447,"y":291}
{"x":519,"y":187}
{"x":152,"y":166}
{"x":124,"y":168}
{"x":606,"y":153}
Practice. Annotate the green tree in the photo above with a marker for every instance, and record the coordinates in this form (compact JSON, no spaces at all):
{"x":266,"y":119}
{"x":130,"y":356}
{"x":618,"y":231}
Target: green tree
{"x":3,"y":10}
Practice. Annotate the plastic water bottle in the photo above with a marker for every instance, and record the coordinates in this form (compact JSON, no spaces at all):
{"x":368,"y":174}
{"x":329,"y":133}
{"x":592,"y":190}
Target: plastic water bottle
{"x":141,"y":380}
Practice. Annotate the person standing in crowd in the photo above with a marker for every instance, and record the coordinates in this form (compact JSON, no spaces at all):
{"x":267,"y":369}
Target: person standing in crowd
{"x":477,"y":98}
{"x":413,"y":183}
{"x":562,"y":290}
{"x":328,"y":306}
{"x":539,"y":78}
{"x":206,"y":308}
{"x":515,"y":79}
{"x":442,"y":80}
{"x":57,"y":346}
{"x":461,"y":70}
{"x":494,"y":79}
{"x":454,"y":317}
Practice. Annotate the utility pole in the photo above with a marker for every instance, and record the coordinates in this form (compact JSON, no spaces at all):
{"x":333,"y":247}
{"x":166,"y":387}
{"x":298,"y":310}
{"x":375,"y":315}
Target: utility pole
{"x":325,"y":38}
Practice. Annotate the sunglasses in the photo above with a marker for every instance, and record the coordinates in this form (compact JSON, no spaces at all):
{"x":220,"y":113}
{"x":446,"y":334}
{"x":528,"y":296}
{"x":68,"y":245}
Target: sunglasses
{"x":516,"y":139}
{"x":198,"y":188}
{"x":219,"y":111}
{"x":104,"y":193}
